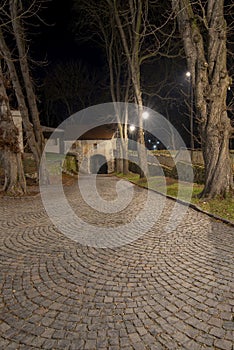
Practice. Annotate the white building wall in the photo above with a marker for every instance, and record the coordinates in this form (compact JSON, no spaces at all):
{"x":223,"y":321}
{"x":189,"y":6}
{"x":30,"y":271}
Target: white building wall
{"x":85,"y":149}
{"x":53,"y":145}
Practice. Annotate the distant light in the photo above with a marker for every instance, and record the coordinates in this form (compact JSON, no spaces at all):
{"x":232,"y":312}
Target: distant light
{"x":188,"y":74}
{"x":154,"y":146}
{"x":229,"y":88}
{"x":158,"y":142}
{"x":149,"y":141}
{"x":145,"y":115}
{"x":132,"y":127}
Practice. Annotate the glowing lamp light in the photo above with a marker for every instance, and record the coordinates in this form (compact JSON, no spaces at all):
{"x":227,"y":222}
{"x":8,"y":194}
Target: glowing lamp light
{"x":145,"y":115}
{"x":188,"y":74}
{"x":132,"y":127}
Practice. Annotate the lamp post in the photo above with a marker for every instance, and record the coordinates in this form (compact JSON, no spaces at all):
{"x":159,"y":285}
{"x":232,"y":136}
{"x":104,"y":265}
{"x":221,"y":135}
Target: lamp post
{"x":188,"y":75}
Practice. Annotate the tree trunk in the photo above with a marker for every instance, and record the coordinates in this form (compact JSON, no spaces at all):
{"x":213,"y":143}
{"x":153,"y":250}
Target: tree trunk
{"x":119,"y":155}
{"x":133,"y":52}
{"x":205,"y":49}
{"x":125,"y":157}
{"x":33,"y":131}
{"x":15,"y":9}
{"x":115,"y":67}
{"x":142,"y":152}
{"x":20,"y":99}
{"x":218,"y":165}
{"x":15,"y":183}
{"x":124,"y":139}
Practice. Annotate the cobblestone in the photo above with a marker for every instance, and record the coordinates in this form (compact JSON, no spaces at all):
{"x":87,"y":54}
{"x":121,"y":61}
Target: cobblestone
{"x":162,"y":291}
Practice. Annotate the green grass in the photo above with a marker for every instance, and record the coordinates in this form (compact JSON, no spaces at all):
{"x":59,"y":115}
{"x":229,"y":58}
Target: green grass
{"x":54,"y":156}
{"x":54,"y":162}
{"x":223,"y":208}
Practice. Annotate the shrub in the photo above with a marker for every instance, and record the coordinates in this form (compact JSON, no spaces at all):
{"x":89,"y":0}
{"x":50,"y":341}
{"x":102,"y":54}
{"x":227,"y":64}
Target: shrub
{"x":70,"y":165}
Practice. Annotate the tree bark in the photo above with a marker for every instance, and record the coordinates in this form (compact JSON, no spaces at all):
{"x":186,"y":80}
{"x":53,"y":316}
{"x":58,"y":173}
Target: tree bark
{"x":11,"y":159}
{"x":117,"y":80}
{"x":204,"y":40}
{"x":19,"y":35}
{"x":4,"y":50}
{"x":33,"y":130}
{"x":15,"y":183}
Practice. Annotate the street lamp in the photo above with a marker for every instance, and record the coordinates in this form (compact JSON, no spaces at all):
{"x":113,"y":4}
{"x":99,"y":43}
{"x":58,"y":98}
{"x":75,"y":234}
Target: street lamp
{"x":189,"y":75}
{"x":132,"y":127}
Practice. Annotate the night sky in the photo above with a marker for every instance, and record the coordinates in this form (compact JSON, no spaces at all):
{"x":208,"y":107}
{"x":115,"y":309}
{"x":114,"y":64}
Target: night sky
{"x":56,"y":42}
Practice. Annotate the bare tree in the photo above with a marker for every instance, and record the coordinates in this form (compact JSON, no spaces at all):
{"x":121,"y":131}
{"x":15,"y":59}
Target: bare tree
{"x":10,"y":154}
{"x":70,"y":86}
{"x":140,"y":39}
{"x":127,"y":33}
{"x":16,"y":57}
{"x":102,"y":29}
{"x":20,"y":39}
{"x":203,"y":30}
{"x":131,"y":22}
{"x":120,"y":82}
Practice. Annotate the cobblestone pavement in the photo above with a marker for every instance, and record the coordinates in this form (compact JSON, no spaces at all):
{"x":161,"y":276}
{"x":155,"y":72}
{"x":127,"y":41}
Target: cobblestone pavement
{"x":162,"y":291}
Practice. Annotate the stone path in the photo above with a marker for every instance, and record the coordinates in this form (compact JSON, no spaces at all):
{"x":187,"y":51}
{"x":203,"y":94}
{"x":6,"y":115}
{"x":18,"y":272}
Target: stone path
{"x":163,"y":291}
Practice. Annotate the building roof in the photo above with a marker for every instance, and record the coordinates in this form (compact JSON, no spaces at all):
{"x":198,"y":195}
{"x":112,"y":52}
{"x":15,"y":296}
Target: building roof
{"x":48,"y":129}
{"x":102,"y":132}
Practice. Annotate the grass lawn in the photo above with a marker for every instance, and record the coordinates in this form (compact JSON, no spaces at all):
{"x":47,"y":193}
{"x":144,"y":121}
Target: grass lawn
{"x":221,"y":207}
{"x":54,"y":163}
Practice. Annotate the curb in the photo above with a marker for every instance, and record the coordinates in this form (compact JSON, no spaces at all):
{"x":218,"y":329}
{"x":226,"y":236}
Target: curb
{"x":187,"y":204}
